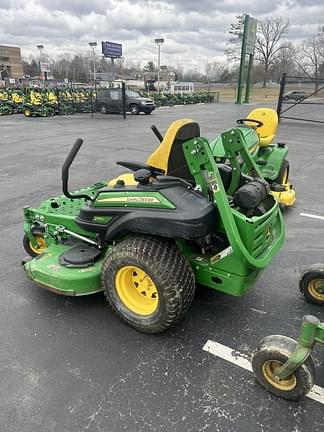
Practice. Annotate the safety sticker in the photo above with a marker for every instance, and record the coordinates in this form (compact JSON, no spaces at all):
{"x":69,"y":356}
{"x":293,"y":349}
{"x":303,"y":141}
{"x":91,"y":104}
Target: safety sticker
{"x":224,"y":253}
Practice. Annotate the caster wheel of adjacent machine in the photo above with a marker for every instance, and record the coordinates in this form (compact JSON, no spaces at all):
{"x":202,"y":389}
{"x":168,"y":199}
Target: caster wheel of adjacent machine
{"x":271,"y":353}
{"x":311,"y":284}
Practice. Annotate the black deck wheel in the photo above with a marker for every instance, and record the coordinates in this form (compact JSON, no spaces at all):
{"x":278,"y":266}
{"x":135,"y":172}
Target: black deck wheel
{"x":148,"y":283}
{"x":271,"y":353}
{"x":311,"y":284}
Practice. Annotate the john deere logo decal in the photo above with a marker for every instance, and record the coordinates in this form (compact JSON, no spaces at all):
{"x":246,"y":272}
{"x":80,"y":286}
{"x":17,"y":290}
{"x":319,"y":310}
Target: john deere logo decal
{"x":268,"y":232}
{"x":140,"y":200}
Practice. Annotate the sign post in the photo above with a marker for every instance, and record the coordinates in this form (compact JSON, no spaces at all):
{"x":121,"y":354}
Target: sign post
{"x":112,"y":50}
{"x":248,"y":45}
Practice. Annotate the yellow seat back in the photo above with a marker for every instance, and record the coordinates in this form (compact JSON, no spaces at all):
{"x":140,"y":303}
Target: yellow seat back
{"x":268,"y":130}
{"x":169,"y":156}
{"x":178,"y":132}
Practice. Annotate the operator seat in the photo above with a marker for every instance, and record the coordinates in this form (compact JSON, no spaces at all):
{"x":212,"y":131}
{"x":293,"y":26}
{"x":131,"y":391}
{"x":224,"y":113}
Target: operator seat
{"x":268,"y":130}
{"x":169,"y":156}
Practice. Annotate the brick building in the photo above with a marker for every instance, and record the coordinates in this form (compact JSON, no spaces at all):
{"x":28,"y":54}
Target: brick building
{"x":10,"y":62}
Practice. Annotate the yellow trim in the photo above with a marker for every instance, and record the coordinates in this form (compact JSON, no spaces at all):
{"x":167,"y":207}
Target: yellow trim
{"x":287,"y":198}
{"x":128,"y":179}
{"x":313,"y":289}
{"x":136,"y":290}
{"x":285,"y":385}
{"x":41,"y":245}
{"x":160,"y":157}
{"x":265,"y":141}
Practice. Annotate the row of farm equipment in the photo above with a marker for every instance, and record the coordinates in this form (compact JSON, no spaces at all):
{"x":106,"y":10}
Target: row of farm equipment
{"x":168,"y":99}
{"x":45,"y":102}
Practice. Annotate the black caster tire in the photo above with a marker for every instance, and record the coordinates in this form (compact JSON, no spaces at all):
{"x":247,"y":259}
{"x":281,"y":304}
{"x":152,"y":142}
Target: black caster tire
{"x":311,"y":284}
{"x":271,"y":353}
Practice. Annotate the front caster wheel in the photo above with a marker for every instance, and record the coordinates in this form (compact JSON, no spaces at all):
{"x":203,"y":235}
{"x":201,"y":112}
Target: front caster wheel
{"x":148,"y":283}
{"x":30,"y":249}
{"x":271,"y":353}
{"x":311,"y":284}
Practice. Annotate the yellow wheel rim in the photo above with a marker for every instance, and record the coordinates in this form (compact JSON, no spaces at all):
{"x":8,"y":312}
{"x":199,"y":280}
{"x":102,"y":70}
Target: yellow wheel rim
{"x":268,"y":369}
{"x":316,"y":289}
{"x":27,"y":113}
{"x":136,"y":290}
{"x":41,"y":245}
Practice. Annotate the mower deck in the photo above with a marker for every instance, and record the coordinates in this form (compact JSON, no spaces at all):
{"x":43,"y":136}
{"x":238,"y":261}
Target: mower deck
{"x":46,"y":270}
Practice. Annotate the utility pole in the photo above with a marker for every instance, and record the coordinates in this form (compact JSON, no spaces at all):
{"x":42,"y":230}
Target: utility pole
{"x":93,"y":46}
{"x":159,"y":42}
{"x":40,"y":47}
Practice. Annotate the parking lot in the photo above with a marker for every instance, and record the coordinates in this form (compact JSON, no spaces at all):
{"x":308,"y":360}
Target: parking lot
{"x":70,"y":365}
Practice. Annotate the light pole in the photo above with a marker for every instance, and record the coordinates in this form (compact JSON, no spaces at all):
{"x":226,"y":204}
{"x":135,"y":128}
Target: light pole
{"x":159,"y":42}
{"x":93,"y":46}
{"x":40,"y":47}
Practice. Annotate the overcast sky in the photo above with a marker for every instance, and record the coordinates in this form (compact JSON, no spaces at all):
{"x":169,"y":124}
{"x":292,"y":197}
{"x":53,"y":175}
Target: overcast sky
{"x":194,"y":30}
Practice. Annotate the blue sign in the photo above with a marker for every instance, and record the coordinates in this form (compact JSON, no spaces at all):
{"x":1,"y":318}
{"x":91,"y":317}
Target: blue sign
{"x":111,"y":49}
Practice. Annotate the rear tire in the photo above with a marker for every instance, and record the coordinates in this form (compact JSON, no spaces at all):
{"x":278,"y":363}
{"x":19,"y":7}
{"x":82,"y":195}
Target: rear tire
{"x":271,"y":353}
{"x":157,"y":264}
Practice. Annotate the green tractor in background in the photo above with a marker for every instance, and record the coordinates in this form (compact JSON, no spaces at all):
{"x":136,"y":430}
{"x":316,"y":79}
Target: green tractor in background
{"x":17,"y":96}
{"x":37,"y":104}
{"x":259,"y":130}
{"x":65,"y":102}
{"x":147,"y":237}
{"x":6,"y":106}
{"x":83,"y":100}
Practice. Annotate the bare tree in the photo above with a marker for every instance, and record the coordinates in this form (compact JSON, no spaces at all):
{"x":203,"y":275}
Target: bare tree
{"x":213,"y":71}
{"x":285,"y":62}
{"x":271,"y":31}
{"x":233,"y":45}
{"x":178,"y":69}
{"x":310,"y":57}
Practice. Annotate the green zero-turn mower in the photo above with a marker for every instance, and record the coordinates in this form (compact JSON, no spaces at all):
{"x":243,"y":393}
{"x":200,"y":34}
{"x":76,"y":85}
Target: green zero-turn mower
{"x":147,"y":237}
{"x":270,"y":157}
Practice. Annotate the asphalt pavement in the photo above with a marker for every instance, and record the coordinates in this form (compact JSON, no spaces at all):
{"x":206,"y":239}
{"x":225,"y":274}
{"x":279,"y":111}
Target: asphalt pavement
{"x":70,"y":365}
